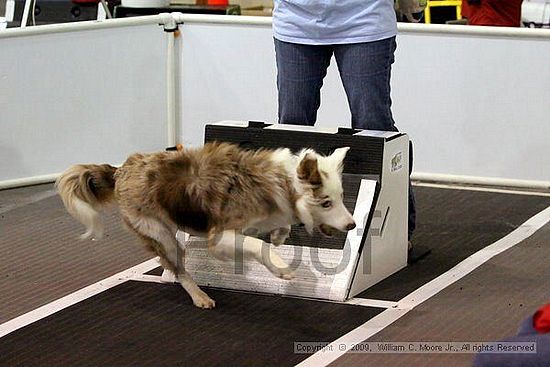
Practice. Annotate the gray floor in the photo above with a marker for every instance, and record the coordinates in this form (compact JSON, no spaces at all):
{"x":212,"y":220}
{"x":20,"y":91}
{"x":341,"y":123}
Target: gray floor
{"x":16,"y":198}
{"x":43,"y":260}
{"x":42,"y":257}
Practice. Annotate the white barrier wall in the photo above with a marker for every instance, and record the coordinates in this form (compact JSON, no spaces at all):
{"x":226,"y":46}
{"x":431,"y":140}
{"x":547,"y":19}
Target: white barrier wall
{"x":229,"y":73}
{"x":80,"y":96}
{"x":474,"y":105}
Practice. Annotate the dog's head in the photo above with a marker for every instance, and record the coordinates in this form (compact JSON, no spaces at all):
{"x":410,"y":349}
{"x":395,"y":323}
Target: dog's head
{"x":321,"y":204}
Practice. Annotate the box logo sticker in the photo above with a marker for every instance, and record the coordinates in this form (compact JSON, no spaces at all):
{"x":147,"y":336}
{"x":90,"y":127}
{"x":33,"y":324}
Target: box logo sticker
{"x":397,"y":162}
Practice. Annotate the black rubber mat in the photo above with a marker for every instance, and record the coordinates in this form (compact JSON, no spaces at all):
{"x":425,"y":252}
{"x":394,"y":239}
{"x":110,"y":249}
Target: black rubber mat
{"x":488,"y":304}
{"x":455,"y":224}
{"x":150,"y":324}
{"x":157,"y":271}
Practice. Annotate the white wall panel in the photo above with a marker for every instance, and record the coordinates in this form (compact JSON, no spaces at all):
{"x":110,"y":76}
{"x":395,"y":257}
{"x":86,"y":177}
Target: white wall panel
{"x":474,"y":105}
{"x":80,"y":96}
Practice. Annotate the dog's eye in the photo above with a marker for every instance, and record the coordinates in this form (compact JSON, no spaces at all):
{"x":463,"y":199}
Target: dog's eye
{"x":326,"y":204}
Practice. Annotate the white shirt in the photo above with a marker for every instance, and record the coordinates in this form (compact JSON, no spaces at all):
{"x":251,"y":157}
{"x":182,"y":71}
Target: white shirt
{"x":321,"y":22}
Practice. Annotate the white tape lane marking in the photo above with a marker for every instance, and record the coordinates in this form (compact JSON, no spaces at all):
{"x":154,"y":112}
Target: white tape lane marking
{"x":428,"y":290}
{"x":483,"y":189}
{"x":29,"y":200}
{"x":78,"y":296}
{"x":367,"y":302}
{"x":149,"y":279}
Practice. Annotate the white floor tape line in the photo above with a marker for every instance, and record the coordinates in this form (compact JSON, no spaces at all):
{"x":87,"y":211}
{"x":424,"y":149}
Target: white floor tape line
{"x":368,"y":302}
{"x":78,"y":296}
{"x":387,"y":317}
{"x":149,"y":279}
{"x":482,"y":189}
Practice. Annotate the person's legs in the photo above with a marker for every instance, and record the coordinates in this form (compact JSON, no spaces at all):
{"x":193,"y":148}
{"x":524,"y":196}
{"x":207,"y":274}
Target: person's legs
{"x":365,"y":69}
{"x":300,"y":73}
{"x":412,"y":201}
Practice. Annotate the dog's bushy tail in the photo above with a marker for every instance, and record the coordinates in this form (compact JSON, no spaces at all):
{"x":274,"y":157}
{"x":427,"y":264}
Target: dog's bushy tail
{"x":84,"y":189}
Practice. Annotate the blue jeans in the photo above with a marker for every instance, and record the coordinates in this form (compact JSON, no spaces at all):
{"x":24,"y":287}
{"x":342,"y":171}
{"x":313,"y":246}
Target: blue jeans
{"x":365,"y":70}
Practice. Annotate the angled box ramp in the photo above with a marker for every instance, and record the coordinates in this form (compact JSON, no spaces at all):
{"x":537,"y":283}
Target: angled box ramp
{"x":376,"y":174}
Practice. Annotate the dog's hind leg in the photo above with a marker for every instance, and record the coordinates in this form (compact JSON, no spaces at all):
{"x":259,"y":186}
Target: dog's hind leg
{"x":230,"y":245}
{"x":159,"y":238}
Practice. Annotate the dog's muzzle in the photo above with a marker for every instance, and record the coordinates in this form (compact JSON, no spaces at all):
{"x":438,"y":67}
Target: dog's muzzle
{"x":329,"y":231}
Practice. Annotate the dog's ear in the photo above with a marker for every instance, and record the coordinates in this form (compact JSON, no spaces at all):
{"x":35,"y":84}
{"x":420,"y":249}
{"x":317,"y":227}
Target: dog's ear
{"x":308,"y":170}
{"x":339,"y":154}
{"x":338,"y":157}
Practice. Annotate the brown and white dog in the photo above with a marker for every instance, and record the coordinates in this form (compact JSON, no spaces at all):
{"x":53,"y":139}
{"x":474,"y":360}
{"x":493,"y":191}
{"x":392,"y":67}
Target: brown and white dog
{"x":219,"y":192}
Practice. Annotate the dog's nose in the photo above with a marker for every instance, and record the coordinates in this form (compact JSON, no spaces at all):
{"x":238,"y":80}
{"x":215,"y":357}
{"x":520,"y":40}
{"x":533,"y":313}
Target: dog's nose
{"x":350,"y":226}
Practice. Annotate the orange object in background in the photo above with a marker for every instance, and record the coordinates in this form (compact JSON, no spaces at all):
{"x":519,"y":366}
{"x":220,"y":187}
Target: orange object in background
{"x":212,"y":2}
{"x":504,"y":13}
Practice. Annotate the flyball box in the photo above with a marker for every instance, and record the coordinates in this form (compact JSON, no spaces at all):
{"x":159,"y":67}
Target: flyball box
{"x":375,"y":180}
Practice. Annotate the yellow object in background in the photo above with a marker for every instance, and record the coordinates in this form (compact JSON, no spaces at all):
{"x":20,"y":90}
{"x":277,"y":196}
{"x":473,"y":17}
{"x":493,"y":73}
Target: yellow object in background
{"x":432,"y":3}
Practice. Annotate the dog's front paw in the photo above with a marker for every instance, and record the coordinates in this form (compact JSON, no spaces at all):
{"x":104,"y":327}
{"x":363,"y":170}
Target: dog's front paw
{"x":283,"y":273}
{"x":287,"y":274}
{"x":280,"y":269}
{"x":203,"y":301}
